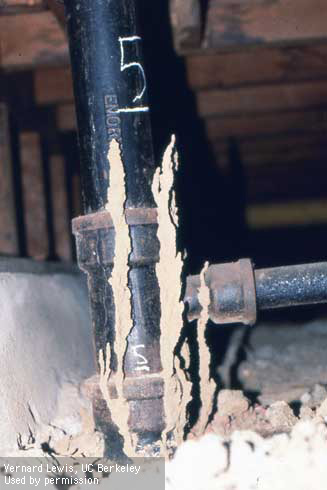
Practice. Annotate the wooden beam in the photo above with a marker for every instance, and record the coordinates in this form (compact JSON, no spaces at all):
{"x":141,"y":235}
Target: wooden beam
{"x":66,"y":117}
{"x":61,"y":225}
{"x":58,"y":10}
{"x":8,"y":228}
{"x":185,"y":16}
{"x":254,"y":66}
{"x":33,"y":196}
{"x":265,"y":151}
{"x":28,"y":41}
{"x":15,"y":7}
{"x":245,"y":126}
{"x":285,"y":214}
{"x":262,"y":99}
{"x":252,"y":22}
{"x":53,"y":85}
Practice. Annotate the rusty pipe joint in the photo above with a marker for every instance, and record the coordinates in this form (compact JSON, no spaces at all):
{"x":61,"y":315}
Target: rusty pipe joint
{"x":237,"y":291}
{"x":143,"y":386}
{"x":232,"y":293}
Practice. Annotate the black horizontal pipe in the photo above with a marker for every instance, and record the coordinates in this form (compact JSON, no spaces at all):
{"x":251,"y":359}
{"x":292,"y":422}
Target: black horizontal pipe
{"x":294,"y":285}
{"x":237,"y":292}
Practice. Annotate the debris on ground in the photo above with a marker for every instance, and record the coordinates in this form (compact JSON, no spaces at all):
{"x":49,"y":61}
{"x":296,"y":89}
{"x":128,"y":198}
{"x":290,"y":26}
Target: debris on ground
{"x":259,"y":448}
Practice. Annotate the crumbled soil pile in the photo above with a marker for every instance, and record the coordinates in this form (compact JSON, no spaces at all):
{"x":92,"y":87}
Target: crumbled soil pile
{"x":255,"y":448}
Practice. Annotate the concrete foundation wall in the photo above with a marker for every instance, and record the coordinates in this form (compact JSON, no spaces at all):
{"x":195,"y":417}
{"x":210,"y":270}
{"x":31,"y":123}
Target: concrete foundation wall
{"x":45,"y":347}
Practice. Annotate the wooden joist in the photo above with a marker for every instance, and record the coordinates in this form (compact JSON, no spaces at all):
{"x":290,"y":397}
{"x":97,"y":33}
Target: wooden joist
{"x":185,"y":16}
{"x":58,"y":10}
{"x":8,"y":228}
{"x":53,"y":85}
{"x":247,"y":126}
{"x":14,"y":7}
{"x":61,"y":223}
{"x":257,"y":66}
{"x":66,"y":117}
{"x":277,"y":168}
{"x":262,"y":99}
{"x":285,"y":149}
{"x":35,"y":218}
{"x":251,"y":22}
{"x":31,"y":40}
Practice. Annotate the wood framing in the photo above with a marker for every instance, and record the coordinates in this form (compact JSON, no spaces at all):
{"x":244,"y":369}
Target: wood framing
{"x":233,"y":23}
{"x":8,"y":229}
{"x":28,"y":41}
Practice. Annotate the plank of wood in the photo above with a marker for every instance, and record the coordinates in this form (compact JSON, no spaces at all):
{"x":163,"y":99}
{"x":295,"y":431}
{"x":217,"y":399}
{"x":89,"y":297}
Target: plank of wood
{"x":254,"y":66}
{"x":14,"y":7}
{"x":285,"y":214}
{"x":262,"y":99}
{"x":18,"y":3}
{"x":245,"y":126}
{"x":53,"y":85}
{"x":252,"y":22}
{"x":61,"y":225}
{"x":8,"y":229}
{"x":285,"y":149}
{"x":58,"y":10}
{"x":66,"y":117}
{"x":33,"y":196}
{"x":28,"y":41}
{"x":185,"y":16}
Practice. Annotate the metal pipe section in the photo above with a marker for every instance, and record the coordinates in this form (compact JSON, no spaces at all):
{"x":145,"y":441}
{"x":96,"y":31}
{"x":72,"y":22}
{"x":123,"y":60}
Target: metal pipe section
{"x":111,"y":98}
{"x":293,"y":285}
{"x":237,"y":292}
{"x":111,"y":103}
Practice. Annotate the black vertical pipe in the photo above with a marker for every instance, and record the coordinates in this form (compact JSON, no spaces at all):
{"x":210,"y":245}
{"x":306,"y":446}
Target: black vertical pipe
{"x":111,"y":98}
{"x":111,"y":103}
